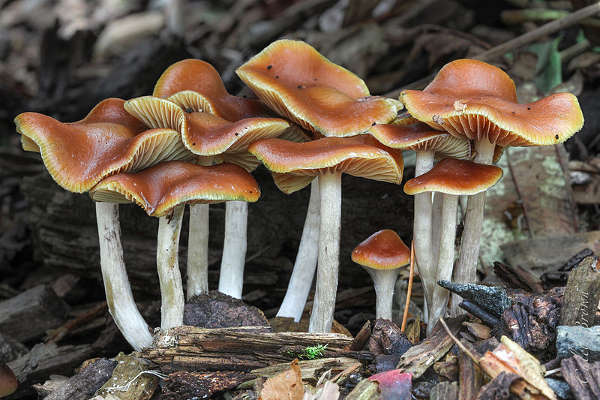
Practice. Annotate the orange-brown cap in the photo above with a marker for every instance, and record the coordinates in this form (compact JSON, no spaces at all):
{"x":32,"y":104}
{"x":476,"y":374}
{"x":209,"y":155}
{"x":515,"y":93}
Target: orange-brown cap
{"x":294,"y":165}
{"x":79,"y":154}
{"x":451,"y":176}
{"x":420,"y":137}
{"x":197,"y":86}
{"x":293,"y":79}
{"x":474,"y":99}
{"x":8,"y":381}
{"x":382,"y":250}
{"x":162,"y":187}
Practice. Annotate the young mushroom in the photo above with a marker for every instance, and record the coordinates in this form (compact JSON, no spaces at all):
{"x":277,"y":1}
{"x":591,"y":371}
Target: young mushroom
{"x":162,"y":191}
{"x":381,"y":255}
{"x":295,"y":165}
{"x":215,"y":140}
{"x":453,"y":178}
{"x":472,"y":99}
{"x":80,"y":154}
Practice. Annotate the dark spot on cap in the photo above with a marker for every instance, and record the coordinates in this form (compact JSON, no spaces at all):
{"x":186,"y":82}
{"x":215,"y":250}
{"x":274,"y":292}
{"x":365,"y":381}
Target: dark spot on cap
{"x":276,"y":76}
{"x":237,"y":134}
{"x":194,"y":143}
{"x":374,"y":123}
{"x":269,"y":66}
{"x":556,"y":137}
{"x":529,"y":108}
{"x":244,"y":96}
{"x":189,"y":110}
{"x":299,"y":86}
{"x":315,"y":79}
{"x":513,"y":113}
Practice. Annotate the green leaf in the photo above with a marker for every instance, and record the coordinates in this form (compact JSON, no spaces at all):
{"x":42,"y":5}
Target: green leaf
{"x":549,"y":66}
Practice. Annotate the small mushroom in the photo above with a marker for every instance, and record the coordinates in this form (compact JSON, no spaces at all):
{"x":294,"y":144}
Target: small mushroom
{"x":8,"y":381}
{"x":382,"y":255}
{"x":295,"y":165}
{"x":162,"y":191}
{"x":452,"y":178}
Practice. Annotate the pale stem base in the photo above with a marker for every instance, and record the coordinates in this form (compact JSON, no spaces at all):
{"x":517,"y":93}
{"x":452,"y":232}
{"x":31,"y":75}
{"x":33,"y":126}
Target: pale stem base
{"x":306,"y":260}
{"x":445,"y":262}
{"x":466,"y":268}
{"x":231,"y":279}
{"x":167,"y":263}
{"x":321,"y":318}
{"x":119,"y":298}
{"x":197,"y":251}
{"x":438,"y":201}
{"x":384,"y":282}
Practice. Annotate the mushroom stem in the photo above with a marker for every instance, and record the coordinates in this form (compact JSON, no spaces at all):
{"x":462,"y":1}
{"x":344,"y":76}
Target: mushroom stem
{"x":330,"y":188}
{"x":438,"y":201}
{"x":169,"y":276}
{"x":197,"y":253}
{"x":466,"y":268}
{"x":422,"y":230}
{"x":306,"y":260}
{"x":446,"y":257}
{"x":231,"y":279}
{"x":119,"y":298}
{"x":384,"y":282}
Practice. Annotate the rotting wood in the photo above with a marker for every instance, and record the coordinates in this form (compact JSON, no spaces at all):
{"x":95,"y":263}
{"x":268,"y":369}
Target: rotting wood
{"x":582,"y":294}
{"x":583,"y":377}
{"x":239,"y":349}
{"x":470,"y":378}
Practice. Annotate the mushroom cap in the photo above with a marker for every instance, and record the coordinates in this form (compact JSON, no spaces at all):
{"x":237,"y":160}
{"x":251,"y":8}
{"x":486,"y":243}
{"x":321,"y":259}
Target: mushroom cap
{"x":476,"y":100}
{"x":420,"y":137}
{"x":162,"y":187}
{"x":451,"y":176}
{"x":382,"y":250}
{"x":8,"y":381}
{"x":294,"y":165}
{"x":80,"y":154}
{"x":195,"y":84}
{"x":156,"y":112}
{"x":293,"y":79}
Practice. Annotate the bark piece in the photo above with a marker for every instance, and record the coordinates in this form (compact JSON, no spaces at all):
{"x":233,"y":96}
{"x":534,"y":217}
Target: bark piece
{"x":470,"y":378}
{"x":183,"y":385}
{"x":583,"y":377}
{"x":128,"y":382}
{"x":518,"y":277}
{"x":237,"y":349}
{"x":311,"y":369}
{"x":10,"y":349}
{"x":387,"y":338}
{"x":572,"y":340}
{"x":218,"y":310}
{"x":83,"y":385}
{"x":444,"y":391}
{"x":362,"y":337}
{"x":582,"y":294}
{"x":499,"y":387}
{"x":28,"y":315}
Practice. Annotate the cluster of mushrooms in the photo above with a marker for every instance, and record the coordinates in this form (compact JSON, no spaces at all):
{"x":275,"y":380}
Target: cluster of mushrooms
{"x":191,"y":142}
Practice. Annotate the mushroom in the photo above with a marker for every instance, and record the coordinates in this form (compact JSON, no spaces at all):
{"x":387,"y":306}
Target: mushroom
{"x":80,"y":154}
{"x":215,"y":140}
{"x":8,"y":381}
{"x":472,"y":99}
{"x":381,"y":255}
{"x":452,"y":178}
{"x":294,"y":166}
{"x":162,"y":191}
{"x":409,"y":134}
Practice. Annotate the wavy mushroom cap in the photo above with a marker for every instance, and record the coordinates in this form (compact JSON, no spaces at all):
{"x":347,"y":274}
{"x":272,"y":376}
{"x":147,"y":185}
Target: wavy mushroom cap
{"x":294,"y":80}
{"x":382,"y":250}
{"x":420,"y":137}
{"x":451,"y":176}
{"x":80,"y":154}
{"x":476,"y":100}
{"x":294,"y":165}
{"x":197,"y":86}
{"x":164,"y":186}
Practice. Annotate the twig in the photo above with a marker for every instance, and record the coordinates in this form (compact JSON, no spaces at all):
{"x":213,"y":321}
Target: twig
{"x":57,"y":334}
{"x":458,"y":343}
{"x":410,"y":283}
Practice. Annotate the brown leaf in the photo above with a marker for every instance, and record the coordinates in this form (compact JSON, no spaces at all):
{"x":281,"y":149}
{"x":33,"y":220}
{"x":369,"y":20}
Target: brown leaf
{"x":286,"y":385}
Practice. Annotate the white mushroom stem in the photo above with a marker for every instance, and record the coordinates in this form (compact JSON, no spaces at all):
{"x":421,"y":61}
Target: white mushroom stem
{"x":438,"y":201}
{"x":306,"y":260}
{"x":422,"y":230}
{"x":197,"y":252}
{"x":231,"y":279}
{"x":445,"y":262}
{"x":321,"y":317}
{"x":384,"y":281}
{"x":167,"y":263}
{"x":119,"y":298}
{"x":466,"y":268}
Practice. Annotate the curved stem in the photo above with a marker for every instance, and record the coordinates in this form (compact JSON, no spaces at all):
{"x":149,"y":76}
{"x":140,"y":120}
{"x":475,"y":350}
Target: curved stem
{"x":306,"y":260}
{"x":446,"y":258}
{"x":330,"y":188}
{"x":197,"y":252}
{"x":422,"y":230}
{"x":119,"y":298}
{"x":231,"y":279}
{"x":438,"y":201}
{"x":167,"y":263}
{"x":384,"y":282}
{"x":466,"y":269}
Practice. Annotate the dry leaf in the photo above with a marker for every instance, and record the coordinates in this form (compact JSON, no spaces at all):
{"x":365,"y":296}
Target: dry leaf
{"x":480,"y":331}
{"x":286,"y":385}
{"x":328,"y":391}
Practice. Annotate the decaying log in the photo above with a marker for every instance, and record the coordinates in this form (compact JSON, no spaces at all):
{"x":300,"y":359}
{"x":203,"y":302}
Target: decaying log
{"x":183,"y":385}
{"x":444,"y":391}
{"x":28,"y":315}
{"x":583,"y":377}
{"x":582,"y":294}
{"x":83,"y":385}
{"x":236,"y":349}
{"x":470,"y":378}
